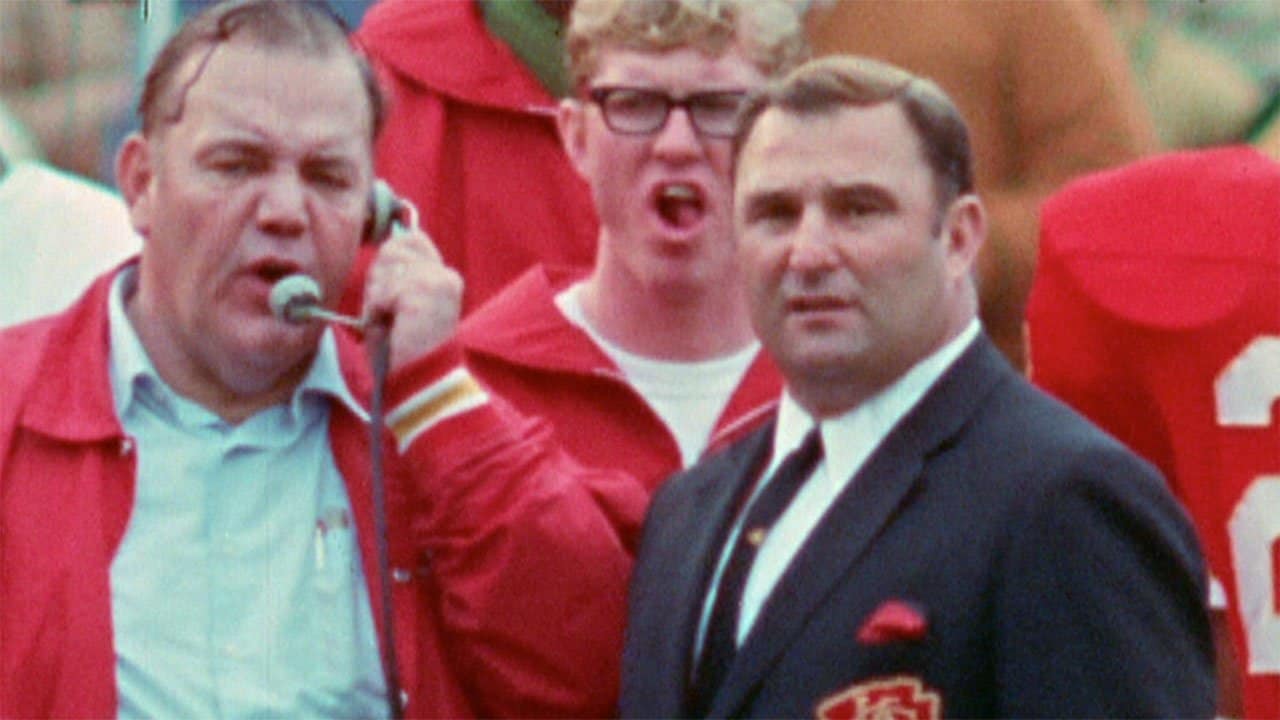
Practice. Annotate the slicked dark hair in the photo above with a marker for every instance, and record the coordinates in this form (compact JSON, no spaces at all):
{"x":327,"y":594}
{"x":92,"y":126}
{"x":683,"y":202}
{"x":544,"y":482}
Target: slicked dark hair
{"x":308,"y":26}
{"x":834,"y":82}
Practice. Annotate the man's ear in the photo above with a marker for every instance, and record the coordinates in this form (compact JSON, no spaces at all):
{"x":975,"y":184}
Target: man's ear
{"x":964,"y":232}
{"x":135,"y":173}
{"x":571,"y":122}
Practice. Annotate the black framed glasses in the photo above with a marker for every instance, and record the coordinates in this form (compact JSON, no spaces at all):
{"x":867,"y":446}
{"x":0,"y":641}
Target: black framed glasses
{"x":644,"y":111}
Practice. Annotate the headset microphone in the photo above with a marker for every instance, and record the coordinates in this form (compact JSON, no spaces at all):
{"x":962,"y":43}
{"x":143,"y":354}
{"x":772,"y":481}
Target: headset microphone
{"x":296,"y":299}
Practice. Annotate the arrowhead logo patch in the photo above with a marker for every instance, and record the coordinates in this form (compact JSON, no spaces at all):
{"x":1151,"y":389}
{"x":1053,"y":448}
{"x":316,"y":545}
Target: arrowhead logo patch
{"x":896,"y":698}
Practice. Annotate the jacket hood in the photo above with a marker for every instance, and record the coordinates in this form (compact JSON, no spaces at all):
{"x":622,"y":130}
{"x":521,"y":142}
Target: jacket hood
{"x":445,"y":46}
{"x":541,"y":337}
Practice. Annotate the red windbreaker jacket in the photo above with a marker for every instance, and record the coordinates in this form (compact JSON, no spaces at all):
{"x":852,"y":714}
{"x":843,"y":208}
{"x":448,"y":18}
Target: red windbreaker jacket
{"x":510,"y":559}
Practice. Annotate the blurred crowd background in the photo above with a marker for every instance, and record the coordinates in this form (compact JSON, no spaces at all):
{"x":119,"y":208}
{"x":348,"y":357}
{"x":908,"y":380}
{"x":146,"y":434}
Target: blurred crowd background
{"x":1052,"y":89}
{"x":1208,"y":71}
{"x":69,"y":71}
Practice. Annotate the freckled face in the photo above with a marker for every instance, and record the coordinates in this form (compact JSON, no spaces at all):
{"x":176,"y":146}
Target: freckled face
{"x":663,"y":199}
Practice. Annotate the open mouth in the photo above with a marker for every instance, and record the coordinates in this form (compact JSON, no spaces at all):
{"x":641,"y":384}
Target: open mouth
{"x":815,"y":303}
{"x":261,"y":276}
{"x":271,"y":270}
{"x":680,"y":205}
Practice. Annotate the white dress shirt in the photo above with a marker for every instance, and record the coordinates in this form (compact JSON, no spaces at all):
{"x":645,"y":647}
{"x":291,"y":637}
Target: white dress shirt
{"x":237,"y":590}
{"x":847,"y":441}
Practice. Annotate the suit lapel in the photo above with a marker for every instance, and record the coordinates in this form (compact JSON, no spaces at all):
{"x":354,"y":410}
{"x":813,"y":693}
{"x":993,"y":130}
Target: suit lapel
{"x":869,"y":502}
{"x":706,"y":512}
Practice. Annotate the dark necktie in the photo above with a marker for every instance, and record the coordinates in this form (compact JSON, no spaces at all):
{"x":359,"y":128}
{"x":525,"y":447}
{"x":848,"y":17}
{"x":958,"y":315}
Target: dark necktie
{"x":720,"y":644}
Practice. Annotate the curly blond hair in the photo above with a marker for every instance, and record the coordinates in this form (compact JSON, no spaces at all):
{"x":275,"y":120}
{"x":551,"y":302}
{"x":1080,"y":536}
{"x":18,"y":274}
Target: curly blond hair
{"x":769,"y":32}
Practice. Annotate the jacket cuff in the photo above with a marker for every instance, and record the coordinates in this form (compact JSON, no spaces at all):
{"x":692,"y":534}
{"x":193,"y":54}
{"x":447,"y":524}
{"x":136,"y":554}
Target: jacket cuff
{"x":429,"y":390}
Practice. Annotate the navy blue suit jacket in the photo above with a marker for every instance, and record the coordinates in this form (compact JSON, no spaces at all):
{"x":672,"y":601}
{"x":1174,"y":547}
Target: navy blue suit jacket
{"x":996,"y":556}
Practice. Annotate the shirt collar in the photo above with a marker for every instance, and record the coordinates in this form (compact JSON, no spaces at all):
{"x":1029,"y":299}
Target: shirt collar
{"x":848,"y":439}
{"x":134,"y":378}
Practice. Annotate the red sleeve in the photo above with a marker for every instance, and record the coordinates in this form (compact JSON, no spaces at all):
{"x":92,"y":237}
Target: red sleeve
{"x":407,"y":156}
{"x":530,"y":550}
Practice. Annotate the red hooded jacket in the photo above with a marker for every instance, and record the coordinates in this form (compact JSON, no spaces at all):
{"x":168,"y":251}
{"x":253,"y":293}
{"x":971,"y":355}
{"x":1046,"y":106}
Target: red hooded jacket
{"x":471,"y":139}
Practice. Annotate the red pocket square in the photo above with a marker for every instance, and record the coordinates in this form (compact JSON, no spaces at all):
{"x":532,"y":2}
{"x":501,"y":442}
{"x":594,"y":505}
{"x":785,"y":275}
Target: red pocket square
{"x":893,"y":621}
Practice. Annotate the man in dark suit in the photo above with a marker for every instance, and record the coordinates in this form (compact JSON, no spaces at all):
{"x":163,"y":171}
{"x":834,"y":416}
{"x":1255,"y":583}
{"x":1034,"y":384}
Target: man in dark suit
{"x":946,"y":540}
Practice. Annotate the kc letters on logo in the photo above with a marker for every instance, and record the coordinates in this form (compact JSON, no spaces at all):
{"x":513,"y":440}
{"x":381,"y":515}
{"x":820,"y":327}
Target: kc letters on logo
{"x":895,"y":698}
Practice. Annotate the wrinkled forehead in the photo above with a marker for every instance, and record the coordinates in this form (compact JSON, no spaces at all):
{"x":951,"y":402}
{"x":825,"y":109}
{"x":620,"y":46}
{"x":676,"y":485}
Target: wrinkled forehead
{"x":243,"y":66}
{"x":839,"y":146}
{"x":301,"y":107}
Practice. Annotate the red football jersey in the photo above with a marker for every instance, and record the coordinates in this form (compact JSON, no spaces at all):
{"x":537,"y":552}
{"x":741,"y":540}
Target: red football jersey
{"x":1156,"y":312}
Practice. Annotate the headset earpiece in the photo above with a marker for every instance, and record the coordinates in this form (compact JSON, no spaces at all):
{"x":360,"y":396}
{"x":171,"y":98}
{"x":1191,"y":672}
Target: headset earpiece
{"x":383,"y":205}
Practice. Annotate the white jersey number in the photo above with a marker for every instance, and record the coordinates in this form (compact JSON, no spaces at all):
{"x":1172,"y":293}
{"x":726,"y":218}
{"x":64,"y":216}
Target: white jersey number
{"x":1245,"y":392}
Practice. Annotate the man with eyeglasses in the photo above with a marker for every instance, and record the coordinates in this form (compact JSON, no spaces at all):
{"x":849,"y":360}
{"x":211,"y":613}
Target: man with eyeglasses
{"x":646,"y":361}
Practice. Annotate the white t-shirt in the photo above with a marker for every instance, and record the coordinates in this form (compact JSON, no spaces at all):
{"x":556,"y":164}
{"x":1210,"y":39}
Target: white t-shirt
{"x":688,"y":396}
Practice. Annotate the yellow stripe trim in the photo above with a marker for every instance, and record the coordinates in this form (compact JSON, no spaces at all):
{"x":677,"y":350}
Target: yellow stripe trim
{"x":420,"y":416}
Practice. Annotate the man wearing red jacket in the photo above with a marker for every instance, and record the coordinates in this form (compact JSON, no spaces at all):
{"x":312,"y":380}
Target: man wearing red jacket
{"x":647,"y":360}
{"x":186,"y":522}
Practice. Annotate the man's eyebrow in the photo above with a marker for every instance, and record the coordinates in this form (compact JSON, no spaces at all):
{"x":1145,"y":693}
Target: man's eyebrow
{"x":329,"y":152}
{"x":232,"y":144}
{"x":858,"y":190}
{"x":327,"y":158}
{"x":237,"y":141}
{"x":329,"y":162}
{"x":767,"y":193}
{"x":767,"y":196}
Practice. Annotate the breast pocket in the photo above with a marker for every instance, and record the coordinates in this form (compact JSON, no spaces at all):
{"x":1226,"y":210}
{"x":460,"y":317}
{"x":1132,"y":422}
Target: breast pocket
{"x":337,"y":594}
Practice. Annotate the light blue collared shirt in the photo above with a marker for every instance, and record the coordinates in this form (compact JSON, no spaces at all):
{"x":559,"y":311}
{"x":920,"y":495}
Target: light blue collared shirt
{"x":237,"y":590}
{"x":847,"y":441}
